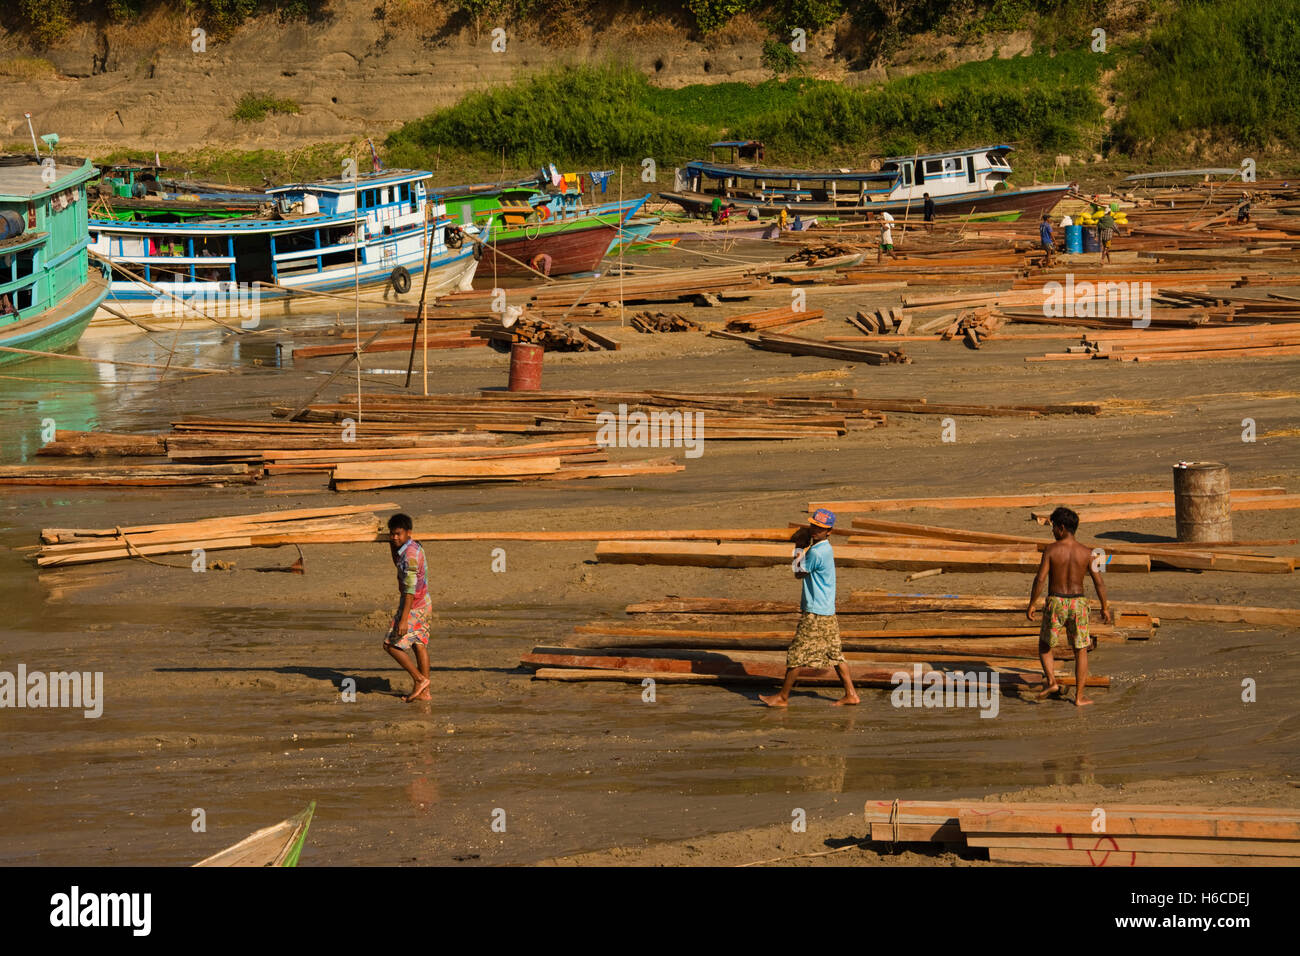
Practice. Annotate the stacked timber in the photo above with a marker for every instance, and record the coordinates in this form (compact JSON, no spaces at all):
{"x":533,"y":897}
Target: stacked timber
{"x":129,"y":476}
{"x":1077,"y":835}
{"x":769,"y":319}
{"x":663,"y":322}
{"x":553,"y":337}
{"x":266,"y":529}
{"x":1141,"y":345}
{"x":398,"y":340}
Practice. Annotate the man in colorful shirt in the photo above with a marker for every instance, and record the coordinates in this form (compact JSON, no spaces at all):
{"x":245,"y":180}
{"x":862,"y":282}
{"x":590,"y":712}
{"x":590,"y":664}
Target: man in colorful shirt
{"x":816,"y":644}
{"x":1066,"y":613}
{"x":410,"y":629}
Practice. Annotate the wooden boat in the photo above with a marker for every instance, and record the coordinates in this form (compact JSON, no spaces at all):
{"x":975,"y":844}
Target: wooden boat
{"x":48,"y":289}
{"x":553,"y":233}
{"x":960,"y":182}
{"x":326,"y":236}
{"x":277,"y":845}
{"x":134,"y":191}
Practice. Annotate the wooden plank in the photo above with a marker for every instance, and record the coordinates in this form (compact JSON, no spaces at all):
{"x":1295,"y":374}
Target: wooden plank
{"x":743,"y":555}
{"x":1100,"y":858}
{"x":954,"y":502}
{"x":1096,"y":843}
{"x":1147,"y":822}
{"x":916,"y":833}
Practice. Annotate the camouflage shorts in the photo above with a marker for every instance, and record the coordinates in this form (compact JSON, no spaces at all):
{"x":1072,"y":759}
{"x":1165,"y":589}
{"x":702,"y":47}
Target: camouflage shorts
{"x":816,"y":642}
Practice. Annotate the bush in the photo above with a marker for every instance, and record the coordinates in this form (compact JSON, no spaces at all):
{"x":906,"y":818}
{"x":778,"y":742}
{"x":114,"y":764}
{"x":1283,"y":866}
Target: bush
{"x":48,"y":20}
{"x":254,"y":107}
{"x":779,"y":57}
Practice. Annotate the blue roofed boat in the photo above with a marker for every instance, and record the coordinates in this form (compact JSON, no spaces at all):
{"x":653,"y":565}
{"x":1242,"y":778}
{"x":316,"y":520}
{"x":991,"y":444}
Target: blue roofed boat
{"x":327,"y":236}
{"x":961,"y":182}
{"x":48,"y":289}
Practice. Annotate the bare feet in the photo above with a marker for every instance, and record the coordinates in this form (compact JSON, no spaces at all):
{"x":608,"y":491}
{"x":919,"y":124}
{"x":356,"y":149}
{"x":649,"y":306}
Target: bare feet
{"x":1052,"y":690}
{"x":773,"y":700}
{"x":419,"y":692}
{"x":846,"y":700}
{"x":1081,"y":701}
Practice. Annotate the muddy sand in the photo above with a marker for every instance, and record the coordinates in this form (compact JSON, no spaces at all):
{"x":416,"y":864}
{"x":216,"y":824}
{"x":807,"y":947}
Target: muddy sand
{"x":222,"y":689}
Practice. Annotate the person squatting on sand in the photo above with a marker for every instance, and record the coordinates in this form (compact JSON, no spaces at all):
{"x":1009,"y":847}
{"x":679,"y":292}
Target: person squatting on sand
{"x":816,"y":643}
{"x":1066,"y":611}
{"x":409,"y":632}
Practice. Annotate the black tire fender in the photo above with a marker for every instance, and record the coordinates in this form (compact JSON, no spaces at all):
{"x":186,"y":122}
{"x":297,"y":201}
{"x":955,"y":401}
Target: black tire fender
{"x":400,"y":280}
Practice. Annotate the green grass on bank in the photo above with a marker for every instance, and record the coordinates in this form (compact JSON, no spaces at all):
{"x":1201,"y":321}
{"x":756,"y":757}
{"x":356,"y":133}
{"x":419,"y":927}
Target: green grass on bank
{"x":609,"y":114}
{"x":1227,"y":71}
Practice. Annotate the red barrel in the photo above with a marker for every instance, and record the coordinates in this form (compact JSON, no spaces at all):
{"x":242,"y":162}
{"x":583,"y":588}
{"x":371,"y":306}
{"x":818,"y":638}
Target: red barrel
{"x":526,"y":367}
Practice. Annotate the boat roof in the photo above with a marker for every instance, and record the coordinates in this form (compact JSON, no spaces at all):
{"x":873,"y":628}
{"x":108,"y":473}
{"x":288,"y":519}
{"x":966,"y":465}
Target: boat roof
{"x":721,"y":170}
{"x":950,"y":152}
{"x":384,"y":177}
{"x":21,"y":179}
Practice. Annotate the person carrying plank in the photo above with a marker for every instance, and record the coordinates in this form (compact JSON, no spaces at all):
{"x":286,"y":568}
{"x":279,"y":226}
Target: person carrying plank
{"x":1066,"y":611}
{"x":816,"y":643}
{"x":410,"y":629}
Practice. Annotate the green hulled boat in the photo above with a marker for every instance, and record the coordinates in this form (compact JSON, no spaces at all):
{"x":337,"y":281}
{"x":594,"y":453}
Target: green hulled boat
{"x":48,"y":290}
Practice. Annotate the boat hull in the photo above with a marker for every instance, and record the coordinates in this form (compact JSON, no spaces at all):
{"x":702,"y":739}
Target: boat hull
{"x":572,"y":247}
{"x":1032,"y":201}
{"x":450,"y":274}
{"x":57,"y":329}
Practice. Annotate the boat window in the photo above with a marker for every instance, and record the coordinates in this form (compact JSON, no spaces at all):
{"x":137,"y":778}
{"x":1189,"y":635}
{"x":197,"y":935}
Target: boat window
{"x":995,"y":160}
{"x":970,"y":169}
{"x":907,"y":174}
{"x":933,"y":167}
{"x":952,"y":164}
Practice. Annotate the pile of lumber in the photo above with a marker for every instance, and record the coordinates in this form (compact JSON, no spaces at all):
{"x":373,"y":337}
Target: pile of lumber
{"x":553,"y":337}
{"x":664,"y":643}
{"x":398,"y":340}
{"x":1143,"y":345}
{"x":1077,"y":835}
{"x":264,"y":529}
{"x":779,"y":318}
{"x":664,"y":322}
{"x":972,"y":326}
{"x":134,"y":475}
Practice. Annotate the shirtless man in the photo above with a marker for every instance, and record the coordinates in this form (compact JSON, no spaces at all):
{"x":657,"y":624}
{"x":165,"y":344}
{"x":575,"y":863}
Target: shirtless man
{"x":1064,"y":562}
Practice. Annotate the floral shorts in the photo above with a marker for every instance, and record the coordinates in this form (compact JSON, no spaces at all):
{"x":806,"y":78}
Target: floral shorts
{"x":1062,"y":616}
{"x":418,"y":623}
{"x":816,"y":642}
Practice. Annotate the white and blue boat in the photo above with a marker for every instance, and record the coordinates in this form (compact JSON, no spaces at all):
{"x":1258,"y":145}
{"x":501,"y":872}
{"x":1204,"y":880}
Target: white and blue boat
{"x":329,"y":236}
{"x":962,"y":182}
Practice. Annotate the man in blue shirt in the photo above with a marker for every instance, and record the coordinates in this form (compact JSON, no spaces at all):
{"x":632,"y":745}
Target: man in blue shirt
{"x":1046,"y":240}
{"x":816,"y":644}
